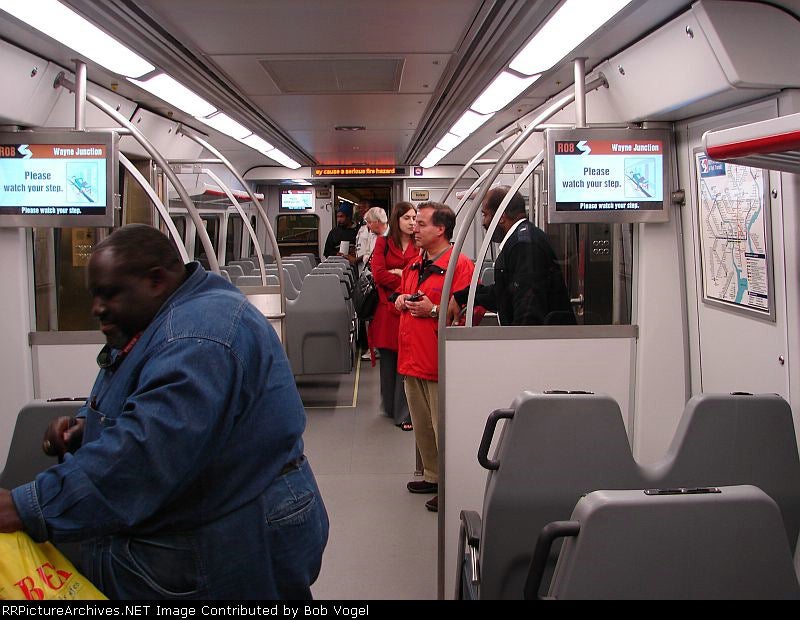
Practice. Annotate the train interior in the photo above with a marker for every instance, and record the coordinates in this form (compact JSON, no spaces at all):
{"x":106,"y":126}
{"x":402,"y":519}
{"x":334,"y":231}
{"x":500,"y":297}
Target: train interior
{"x":238,"y":129}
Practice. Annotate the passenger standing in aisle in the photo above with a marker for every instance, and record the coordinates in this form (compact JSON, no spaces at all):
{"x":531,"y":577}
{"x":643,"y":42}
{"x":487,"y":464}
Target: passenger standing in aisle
{"x":188,"y":478}
{"x":528,"y":284}
{"x":418,"y":356}
{"x":374,"y":225}
{"x":343,"y":231}
{"x":393,"y":252}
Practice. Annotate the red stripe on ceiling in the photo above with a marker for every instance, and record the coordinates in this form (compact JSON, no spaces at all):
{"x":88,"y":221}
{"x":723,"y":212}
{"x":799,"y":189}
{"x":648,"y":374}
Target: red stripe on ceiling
{"x":757,"y":146}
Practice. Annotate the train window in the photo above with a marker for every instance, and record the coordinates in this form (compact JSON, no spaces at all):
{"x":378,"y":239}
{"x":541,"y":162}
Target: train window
{"x":298,"y":233}
{"x":212,"y":227}
{"x":233,"y":238}
{"x":60,"y":259}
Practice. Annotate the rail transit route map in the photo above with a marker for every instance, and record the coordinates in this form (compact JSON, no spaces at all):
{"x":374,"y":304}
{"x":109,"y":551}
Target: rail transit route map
{"x":733,"y":234}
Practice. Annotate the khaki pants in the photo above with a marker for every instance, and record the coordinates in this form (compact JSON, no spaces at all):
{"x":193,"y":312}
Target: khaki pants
{"x":423,"y":404}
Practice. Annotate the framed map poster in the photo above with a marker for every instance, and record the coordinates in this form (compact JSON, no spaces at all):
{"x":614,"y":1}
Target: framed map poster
{"x":735,"y":241}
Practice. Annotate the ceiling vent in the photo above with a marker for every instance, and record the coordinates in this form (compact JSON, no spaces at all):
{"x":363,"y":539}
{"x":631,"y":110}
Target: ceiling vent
{"x":326,"y":75}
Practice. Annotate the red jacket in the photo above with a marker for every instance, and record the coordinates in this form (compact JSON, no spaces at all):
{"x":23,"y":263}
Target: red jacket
{"x":418,"y":353}
{"x":385,"y":324}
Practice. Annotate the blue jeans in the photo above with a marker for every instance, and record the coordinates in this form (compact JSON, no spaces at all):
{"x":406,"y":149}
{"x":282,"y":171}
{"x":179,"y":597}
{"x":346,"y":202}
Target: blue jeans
{"x":270,"y":548}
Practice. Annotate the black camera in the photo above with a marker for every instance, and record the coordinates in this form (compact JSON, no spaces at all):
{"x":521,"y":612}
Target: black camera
{"x":415,"y":297}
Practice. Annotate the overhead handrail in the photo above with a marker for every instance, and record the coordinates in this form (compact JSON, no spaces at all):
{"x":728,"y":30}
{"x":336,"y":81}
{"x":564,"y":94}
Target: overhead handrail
{"x":471,"y":190}
{"x":162,"y":210}
{"x":461,"y":235}
{"x":189,"y":133}
{"x":64,"y":82}
{"x":487,"y":239}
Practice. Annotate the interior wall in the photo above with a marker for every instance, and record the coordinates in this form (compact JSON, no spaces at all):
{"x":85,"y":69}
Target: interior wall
{"x":16,"y":378}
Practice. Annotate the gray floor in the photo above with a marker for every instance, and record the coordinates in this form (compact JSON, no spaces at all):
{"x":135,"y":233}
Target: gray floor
{"x":383,"y":541}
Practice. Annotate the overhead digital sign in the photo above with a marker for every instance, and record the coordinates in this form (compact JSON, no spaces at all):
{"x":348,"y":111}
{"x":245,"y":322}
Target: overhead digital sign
{"x":359,"y":171}
{"x":297,"y":200}
{"x":56,"y":179}
{"x":607,"y":175}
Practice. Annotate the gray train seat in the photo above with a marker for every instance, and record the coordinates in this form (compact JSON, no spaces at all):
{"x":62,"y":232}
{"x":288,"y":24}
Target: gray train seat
{"x":290,"y":291}
{"x":312,"y":258}
{"x":294,"y":274}
{"x":553,"y":449}
{"x":487,"y":275}
{"x":247,"y":266}
{"x":729,"y":439}
{"x":302,"y":262}
{"x":234,"y":271}
{"x":225,"y":275}
{"x":319,"y":328}
{"x":25,"y":456}
{"x":255,"y":280}
{"x":712,"y":543}
{"x":559,"y":445}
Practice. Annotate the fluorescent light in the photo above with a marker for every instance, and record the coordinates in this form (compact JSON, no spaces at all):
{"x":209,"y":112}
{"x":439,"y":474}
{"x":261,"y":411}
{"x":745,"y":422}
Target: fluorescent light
{"x":176,"y":94}
{"x":469,"y":122}
{"x":449,"y":142}
{"x":502,"y":91}
{"x":225,"y":124}
{"x":257,"y":143}
{"x":572,"y":24}
{"x":433,"y":158}
{"x":282,"y":159}
{"x":60,"y":23}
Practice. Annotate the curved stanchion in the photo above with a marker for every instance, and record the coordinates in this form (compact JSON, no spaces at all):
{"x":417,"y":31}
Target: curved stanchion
{"x":551,"y":110}
{"x":488,"y":434}
{"x":510,"y":131}
{"x":162,"y":210}
{"x":487,"y":239}
{"x":245,"y":221}
{"x":267,"y":226}
{"x":64,"y":82}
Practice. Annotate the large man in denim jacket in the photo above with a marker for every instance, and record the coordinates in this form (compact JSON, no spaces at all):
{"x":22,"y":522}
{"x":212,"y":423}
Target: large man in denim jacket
{"x":190,"y":481}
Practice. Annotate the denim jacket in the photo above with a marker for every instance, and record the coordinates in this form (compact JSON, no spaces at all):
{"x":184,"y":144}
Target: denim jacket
{"x":190,"y":430}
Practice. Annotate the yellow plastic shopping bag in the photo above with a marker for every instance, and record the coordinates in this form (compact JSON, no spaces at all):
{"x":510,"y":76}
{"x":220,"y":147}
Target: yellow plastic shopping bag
{"x":38,"y":572}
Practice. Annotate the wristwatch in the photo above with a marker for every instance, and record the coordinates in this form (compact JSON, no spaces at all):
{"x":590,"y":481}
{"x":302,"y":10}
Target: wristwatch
{"x":434,"y":311}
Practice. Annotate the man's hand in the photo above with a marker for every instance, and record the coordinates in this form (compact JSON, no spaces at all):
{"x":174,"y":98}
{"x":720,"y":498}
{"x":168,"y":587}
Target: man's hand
{"x":63,"y":435}
{"x":453,"y":312}
{"x":9,"y":518}
{"x":420,"y":308}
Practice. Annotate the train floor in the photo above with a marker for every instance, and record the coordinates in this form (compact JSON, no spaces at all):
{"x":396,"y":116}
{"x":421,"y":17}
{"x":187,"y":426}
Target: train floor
{"x":382,"y":542}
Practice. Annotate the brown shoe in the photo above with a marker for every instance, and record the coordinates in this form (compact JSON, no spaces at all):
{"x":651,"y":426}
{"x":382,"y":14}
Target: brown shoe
{"x":433,"y":504}
{"x":420,"y":486}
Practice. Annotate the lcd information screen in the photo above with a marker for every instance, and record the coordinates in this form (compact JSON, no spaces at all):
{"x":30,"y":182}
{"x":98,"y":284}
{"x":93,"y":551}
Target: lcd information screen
{"x":297,"y":200}
{"x":64,"y":179}
{"x":607,"y":175}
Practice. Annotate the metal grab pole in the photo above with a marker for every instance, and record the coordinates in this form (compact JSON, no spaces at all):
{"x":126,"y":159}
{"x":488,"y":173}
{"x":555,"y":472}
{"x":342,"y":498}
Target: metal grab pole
{"x":80,"y":95}
{"x":162,"y":210}
{"x":270,"y":233}
{"x":64,"y":82}
{"x":510,"y":131}
{"x":245,"y":221}
{"x":487,"y":239}
{"x":579,"y":68}
{"x":555,"y":107}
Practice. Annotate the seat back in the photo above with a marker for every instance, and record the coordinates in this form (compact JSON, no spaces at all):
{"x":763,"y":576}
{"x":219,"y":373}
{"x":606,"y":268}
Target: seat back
{"x":318,"y":328}
{"x":554,"y":449}
{"x":303,"y":264}
{"x":25,"y":456}
{"x":247,"y":265}
{"x":272,"y":279}
{"x":234,"y":271}
{"x":312,"y":258}
{"x":734,"y":439}
{"x":727,"y":544}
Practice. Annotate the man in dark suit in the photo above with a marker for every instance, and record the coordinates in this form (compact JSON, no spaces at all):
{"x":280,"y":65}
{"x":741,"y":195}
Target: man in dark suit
{"x":528,"y":284}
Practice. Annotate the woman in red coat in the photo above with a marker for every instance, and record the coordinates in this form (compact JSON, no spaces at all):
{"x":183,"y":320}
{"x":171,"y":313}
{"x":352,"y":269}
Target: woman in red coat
{"x":393,"y":251}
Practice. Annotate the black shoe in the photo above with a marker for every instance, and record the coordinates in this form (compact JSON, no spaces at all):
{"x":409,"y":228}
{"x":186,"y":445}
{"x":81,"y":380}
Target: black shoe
{"x":433,"y":504}
{"x":420,"y":486}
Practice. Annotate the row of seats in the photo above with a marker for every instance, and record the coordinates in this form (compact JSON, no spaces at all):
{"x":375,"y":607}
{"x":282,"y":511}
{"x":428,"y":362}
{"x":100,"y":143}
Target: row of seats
{"x":556,"y":447}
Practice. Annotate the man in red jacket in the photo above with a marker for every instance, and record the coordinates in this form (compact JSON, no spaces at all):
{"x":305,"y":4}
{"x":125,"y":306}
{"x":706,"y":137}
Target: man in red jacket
{"x":418,"y":357}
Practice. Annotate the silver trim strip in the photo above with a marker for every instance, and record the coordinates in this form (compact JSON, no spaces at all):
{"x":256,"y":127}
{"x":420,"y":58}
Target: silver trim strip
{"x":542,"y":332}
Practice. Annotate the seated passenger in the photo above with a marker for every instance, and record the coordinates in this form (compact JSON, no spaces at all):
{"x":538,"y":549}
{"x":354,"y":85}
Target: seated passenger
{"x":190,"y":479}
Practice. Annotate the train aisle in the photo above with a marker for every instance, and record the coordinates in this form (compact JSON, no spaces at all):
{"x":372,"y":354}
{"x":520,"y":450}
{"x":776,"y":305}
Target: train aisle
{"x":382,"y":539}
